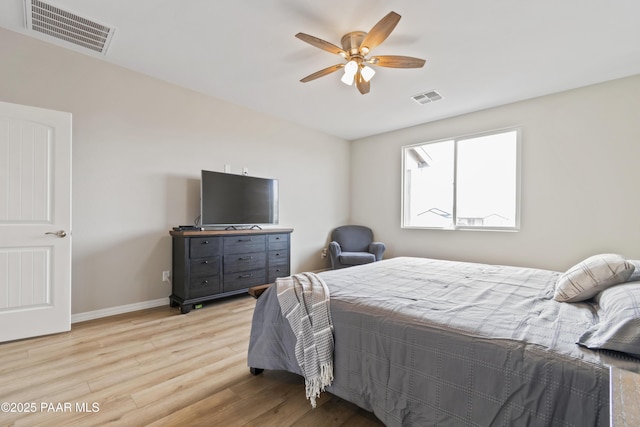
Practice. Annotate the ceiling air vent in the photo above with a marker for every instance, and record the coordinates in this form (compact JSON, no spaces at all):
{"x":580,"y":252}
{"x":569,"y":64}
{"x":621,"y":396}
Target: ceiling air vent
{"x":427,"y":97}
{"x":64,"y":25}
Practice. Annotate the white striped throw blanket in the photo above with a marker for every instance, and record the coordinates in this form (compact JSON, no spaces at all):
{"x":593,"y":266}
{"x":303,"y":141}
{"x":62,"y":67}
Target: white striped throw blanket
{"x":304,"y":301}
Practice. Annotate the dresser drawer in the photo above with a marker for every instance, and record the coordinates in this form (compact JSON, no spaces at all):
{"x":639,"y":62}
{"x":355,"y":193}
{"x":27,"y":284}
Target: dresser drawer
{"x":278,"y":257}
{"x":201,"y":247}
{"x":278,"y":241}
{"x":278,"y":271}
{"x":244,"y":244}
{"x":204,"y":286}
{"x":244,"y":279}
{"x":245,"y":262}
{"x":203,"y":267}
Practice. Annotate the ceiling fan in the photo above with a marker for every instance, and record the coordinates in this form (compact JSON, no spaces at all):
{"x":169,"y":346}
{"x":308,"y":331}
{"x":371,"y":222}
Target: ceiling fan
{"x":356,"y":45}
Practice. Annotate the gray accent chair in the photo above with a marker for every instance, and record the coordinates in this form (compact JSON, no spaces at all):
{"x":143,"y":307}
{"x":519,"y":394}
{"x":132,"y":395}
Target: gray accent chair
{"x":353,"y":245}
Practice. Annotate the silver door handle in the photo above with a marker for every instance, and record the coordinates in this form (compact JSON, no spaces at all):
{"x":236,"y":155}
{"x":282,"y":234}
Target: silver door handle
{"x":59,"y":233}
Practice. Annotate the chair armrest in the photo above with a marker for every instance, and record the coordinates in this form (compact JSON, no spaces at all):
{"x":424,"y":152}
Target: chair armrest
{"x":334,"y":252}
{"x":377,"y":249}
{"x":334,"y":248}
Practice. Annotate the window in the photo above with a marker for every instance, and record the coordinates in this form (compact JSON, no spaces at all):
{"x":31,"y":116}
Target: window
{"x":470,"y":182}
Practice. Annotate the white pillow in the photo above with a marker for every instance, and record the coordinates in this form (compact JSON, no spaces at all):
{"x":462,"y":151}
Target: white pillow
{"x":635,"y":276}
{"x":587,"y":278}
{"x":618,"y":327}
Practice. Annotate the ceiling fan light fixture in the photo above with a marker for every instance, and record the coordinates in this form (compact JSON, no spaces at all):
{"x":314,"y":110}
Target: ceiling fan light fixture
{"x":351,"y":67}
{"x":350,"y":70}
{"x":347,"y":79}
{"x":367,"y":73}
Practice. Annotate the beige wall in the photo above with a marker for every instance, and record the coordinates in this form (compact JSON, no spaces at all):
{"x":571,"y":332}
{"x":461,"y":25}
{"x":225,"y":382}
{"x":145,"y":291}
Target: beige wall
{"x":138,"y":147}
{"x":139,"y":144}
{"x":580,"y":180}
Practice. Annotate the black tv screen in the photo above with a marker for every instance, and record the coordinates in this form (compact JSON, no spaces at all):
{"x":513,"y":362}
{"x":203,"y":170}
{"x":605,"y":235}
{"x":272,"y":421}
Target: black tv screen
{"x":228,"y":199}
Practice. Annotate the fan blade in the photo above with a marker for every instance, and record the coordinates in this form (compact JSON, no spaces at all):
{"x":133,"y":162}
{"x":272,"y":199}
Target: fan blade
{"x":394,"y":61}
{"x":321,"y":44}
{"x":362,"y":85}
{"x":322,"y":72}
{"x":380,"y":31}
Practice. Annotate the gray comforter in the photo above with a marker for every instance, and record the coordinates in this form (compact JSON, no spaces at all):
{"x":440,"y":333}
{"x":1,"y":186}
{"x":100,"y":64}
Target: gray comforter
{"x":424,"y":342}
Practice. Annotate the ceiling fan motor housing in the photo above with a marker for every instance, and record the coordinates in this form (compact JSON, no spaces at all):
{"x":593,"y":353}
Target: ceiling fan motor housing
{"x":351,"y":42}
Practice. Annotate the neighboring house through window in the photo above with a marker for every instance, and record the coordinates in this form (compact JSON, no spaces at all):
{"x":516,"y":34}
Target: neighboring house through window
{"x":469,"y":182}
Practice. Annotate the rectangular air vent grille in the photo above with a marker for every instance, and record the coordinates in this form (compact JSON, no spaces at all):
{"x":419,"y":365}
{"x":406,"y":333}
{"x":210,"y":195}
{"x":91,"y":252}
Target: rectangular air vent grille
{"x":67,"y":26}
{"x":427,"y":97}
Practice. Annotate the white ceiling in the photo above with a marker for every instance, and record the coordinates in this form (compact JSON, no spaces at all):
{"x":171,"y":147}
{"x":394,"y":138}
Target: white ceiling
{"x":479,"y":54}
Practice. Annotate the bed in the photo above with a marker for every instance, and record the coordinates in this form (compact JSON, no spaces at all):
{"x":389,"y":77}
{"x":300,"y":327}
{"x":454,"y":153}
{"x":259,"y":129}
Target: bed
{"x":423,"y":342}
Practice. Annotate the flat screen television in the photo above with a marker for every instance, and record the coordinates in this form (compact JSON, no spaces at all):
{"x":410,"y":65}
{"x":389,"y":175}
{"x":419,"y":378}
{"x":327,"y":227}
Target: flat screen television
{"x":237,"y":200}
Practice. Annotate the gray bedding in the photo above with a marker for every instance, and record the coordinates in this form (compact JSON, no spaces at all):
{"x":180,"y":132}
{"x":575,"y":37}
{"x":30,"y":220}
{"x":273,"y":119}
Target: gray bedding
{"x":422,"y":342}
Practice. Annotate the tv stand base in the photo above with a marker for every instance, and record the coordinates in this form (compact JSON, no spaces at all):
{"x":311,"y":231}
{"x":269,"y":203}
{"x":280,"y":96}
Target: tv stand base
{"x":243,"y":227}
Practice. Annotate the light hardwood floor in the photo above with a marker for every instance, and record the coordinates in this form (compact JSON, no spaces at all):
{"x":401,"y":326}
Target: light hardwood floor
{"x":158,"y":368}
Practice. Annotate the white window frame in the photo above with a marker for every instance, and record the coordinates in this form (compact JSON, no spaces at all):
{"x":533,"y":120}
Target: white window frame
{"x":456,"y":139}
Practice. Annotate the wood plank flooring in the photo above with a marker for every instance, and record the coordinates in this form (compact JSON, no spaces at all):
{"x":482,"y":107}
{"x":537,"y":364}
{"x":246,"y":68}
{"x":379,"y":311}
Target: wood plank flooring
{"x":158,"y":368}
{"x":625,"y":396}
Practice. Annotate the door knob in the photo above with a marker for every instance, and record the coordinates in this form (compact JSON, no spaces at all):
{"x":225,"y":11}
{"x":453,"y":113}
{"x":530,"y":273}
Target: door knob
{"x":59,"y":233}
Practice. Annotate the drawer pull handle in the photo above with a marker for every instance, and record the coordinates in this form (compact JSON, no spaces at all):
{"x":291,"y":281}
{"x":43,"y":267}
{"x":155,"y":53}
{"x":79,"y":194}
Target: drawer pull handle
{"x":244,"y":276}
{"x":244,"y":240}
{"x":205,"y":262}
{"x":278,"y":254}
{"x":204,"y":282}
{"x":245,"y":258}
{"x":206,"y":242}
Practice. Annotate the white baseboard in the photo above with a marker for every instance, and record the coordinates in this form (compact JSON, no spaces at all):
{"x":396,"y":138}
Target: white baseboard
{"x":105,"y":312}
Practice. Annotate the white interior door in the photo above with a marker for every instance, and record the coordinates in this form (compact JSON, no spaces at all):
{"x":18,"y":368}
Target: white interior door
{"x":35,"y":221}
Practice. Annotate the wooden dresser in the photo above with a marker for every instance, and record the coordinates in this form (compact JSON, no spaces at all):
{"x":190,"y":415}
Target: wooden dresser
{"x":212,"y":264}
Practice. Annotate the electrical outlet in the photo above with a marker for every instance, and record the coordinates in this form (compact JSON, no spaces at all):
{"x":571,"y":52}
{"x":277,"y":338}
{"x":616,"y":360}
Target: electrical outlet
{"x":227,"y":168}
{"x":165,"y":276}
{"x":245,"y":171}
{"x":324,"y":253}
